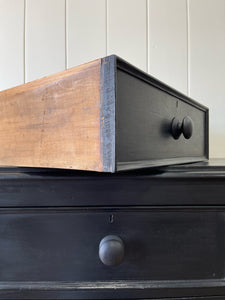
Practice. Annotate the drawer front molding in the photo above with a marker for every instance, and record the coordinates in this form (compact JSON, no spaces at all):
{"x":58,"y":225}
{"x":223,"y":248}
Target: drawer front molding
{"x":62,"y":244}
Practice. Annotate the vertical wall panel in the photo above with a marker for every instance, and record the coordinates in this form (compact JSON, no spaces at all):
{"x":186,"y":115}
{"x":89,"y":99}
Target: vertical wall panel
{"x":127,"y":30}
{"x":207,"y":65}
{"x":168,"y":42}
{"x":45,"y":37}
{"x":11,"y":43}
{"x":86,"y":31}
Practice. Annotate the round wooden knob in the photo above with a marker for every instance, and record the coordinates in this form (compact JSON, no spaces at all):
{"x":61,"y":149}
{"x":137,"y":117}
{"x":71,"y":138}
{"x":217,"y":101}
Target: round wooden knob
{"x":111,"y":250}
{"x":186,"y":127}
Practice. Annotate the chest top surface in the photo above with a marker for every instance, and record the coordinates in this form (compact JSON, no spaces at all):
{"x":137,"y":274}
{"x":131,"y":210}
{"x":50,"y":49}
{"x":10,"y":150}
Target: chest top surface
{"x":214,"y":168}
{"x":190,"y":184}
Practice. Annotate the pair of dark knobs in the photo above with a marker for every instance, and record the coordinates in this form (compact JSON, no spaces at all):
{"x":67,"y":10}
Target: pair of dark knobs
{"x":185,"y":127}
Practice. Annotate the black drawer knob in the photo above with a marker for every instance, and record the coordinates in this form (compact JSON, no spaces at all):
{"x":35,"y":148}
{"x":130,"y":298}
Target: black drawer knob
{"x":186,"y":127}
{"x":111,"y":250}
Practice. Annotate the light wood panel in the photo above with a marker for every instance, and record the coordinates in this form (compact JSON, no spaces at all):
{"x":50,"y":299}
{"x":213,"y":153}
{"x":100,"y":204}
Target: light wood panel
{"x":207,"y":65}
{"x":11,"y":43}
{"x":54,"y":121}
{"x":168,"y":42}
{"x":45,"y":37}
{"x":86,"y":31}
{"x":126,"y":36}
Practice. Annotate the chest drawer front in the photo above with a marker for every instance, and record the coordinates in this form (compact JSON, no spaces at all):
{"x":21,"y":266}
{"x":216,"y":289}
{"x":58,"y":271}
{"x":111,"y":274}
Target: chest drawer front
{"x":63,"y":244}
{"x":145,"y":110}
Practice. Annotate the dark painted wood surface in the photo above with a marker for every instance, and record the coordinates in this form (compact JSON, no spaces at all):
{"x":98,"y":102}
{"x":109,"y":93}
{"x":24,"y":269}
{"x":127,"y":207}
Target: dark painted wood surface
{"x":145,"y":108}
{"x":190,"y":184}
{"x":160,"y":244}
{"x":168,"y":252}
{"x":171,"y":220}
{"x":144,"y":117}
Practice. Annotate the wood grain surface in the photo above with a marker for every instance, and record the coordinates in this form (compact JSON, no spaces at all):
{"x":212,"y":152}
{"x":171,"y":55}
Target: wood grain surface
{"x":53,"y":121}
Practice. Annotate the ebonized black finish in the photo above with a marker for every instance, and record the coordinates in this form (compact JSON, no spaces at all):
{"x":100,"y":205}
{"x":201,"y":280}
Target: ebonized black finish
{"x":111,"y":249}
{"x":145,"y":109}
{"x":138,"y":114}
{"x":163,"y":230}
{"x":190,"y":184}
{"x":185,"y":127}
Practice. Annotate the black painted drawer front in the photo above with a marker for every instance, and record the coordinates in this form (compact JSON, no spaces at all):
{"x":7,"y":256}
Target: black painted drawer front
{"x":53,"y":253}
{"x":62,"y":244}
{"x":145,"y":109}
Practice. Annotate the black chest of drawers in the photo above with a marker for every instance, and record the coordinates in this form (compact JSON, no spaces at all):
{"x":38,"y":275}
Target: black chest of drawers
{"x":171,"y":222}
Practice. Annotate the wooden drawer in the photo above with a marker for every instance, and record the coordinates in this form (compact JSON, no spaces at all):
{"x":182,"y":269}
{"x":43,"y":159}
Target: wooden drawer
{"x":168,"y":251}
{"x":145,"y":109}
{"x":104,"y":116}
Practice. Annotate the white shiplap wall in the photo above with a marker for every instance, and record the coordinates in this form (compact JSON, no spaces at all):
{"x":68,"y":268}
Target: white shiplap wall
{"x":168,"y":42}
{"x":181,"y":42}
{"x":127,"y":30}
{"x":44,"y":37}
{"x":207,"y":65}
{"x":11,"y":43}
{"x":85,"y":31}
